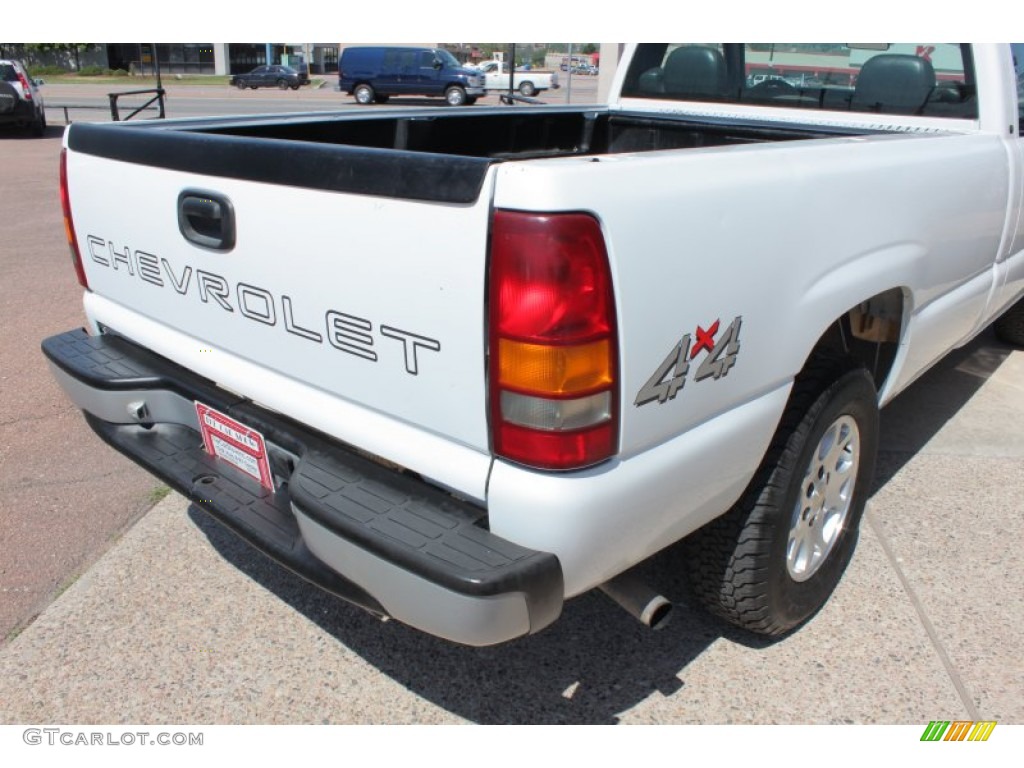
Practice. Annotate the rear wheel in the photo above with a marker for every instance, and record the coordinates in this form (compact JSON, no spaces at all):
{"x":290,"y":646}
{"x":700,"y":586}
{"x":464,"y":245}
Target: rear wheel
{"x":1010,"y":327}
{"x":772,"y":561}
{"x":38,"y":127}
{"x":455,"y":96}
{"x":526,"y":88}
{"x":241,"y":84}
{"x":282,"y":84}
{"x":364,"y":94}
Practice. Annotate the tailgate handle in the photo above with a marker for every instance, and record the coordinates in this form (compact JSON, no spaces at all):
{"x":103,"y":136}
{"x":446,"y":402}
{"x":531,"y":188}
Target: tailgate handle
{"x":206,"y":219}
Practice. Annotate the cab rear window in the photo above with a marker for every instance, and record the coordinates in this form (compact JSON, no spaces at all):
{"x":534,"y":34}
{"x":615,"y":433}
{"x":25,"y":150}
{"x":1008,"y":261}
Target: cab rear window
{"x":928,"y":79}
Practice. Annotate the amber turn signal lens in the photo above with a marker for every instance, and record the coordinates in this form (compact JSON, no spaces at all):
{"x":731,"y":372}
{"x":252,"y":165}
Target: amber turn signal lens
{"x":554,"y":370}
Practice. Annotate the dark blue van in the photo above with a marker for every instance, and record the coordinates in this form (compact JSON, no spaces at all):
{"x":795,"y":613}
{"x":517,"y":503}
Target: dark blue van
{"x":374,"y":73}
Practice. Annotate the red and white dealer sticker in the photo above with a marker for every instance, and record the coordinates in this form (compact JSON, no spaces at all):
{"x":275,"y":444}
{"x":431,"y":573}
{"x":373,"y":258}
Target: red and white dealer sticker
{"x":237,"y":444}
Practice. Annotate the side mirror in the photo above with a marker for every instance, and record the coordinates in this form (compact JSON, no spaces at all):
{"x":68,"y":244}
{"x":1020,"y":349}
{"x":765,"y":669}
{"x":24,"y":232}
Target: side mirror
{"x":438,"y":64}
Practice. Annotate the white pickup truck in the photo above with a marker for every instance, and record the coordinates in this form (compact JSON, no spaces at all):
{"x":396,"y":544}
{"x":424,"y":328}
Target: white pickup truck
{"x":528,"y":82}
{"x":459,"y":368}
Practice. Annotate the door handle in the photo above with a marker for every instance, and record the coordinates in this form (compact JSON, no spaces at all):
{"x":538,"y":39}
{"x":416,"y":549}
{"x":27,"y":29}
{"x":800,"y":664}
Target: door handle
{"x":206,"y":219}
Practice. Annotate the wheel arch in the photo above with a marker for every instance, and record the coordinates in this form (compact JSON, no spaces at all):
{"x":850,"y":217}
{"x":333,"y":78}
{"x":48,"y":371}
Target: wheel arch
{"x":870,"y":332}
{"x":866,"y":301}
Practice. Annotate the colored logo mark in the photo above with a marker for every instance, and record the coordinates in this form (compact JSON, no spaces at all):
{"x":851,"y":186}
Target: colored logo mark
{"x":958,"y":730}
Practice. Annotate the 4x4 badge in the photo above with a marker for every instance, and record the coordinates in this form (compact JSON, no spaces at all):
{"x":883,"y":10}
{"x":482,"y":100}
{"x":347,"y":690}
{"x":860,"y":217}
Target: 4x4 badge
{"x":670,"y":377}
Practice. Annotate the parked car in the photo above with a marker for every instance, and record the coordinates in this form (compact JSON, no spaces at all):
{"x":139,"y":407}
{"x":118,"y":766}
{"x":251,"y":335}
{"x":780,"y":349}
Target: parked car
{"x":272,"y":75}
{"x":527,"y":82}
{"x":21,"y":103}
{"x":577,"y":61}
{"x":373,"y":74}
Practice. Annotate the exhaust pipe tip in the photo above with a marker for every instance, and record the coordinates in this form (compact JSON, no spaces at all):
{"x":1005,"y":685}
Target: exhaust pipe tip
{"x":657,"y":613}
{"x":639,"y":600}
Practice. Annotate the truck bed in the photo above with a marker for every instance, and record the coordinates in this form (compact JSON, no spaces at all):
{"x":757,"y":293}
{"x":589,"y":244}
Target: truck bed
{"x":519,"y":133}
{"x":420,"y":155}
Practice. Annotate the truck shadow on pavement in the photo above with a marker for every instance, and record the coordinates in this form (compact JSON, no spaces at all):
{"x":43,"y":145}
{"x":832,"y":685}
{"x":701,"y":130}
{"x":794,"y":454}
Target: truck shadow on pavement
{"x":15,"y":132}
{"x":596,"y":661}
{"x":917,"y":414}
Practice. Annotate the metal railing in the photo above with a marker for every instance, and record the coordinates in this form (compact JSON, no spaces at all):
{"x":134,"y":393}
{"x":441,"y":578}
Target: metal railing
{"x":158,"y":98}
{"x":116,"y":109}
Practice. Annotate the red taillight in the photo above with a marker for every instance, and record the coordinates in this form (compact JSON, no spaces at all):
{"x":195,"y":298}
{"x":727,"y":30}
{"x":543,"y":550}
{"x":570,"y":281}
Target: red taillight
{"x":25,"y":86}
{"x":553,"y":358}
{"x":69,"y":226}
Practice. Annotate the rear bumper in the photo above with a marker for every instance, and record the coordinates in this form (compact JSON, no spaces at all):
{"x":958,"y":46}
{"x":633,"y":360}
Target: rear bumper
{"x":375,"y":536}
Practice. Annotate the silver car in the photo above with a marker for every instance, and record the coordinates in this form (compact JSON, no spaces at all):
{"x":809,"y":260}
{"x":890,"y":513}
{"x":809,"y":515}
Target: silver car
{"x":21,"y":103}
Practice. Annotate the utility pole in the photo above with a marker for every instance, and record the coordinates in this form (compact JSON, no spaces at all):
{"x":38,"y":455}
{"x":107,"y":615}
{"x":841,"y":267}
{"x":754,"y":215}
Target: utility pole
{"x":568,"y":78}
{"x":156,"y":65}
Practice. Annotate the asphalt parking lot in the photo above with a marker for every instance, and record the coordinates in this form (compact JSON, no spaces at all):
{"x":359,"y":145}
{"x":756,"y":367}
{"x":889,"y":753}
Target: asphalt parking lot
{"x":167,"y":618}
{"x":62,"y":497}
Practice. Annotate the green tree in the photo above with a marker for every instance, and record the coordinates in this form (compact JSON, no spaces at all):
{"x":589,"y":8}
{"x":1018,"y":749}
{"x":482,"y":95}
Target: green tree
{"x":74,"y":50}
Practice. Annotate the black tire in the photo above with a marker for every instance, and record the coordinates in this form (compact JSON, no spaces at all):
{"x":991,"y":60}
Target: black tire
{"x":455,"y":96}
{"x":282,"y":84}
{"x":740,"y":564}
{"x":241,"y":84}
{"x":38,"y":126}
{"x":527,"y":88}
{"x":364,"y":94}
{"x":1010,"y":327}
{"x":381,"y":98}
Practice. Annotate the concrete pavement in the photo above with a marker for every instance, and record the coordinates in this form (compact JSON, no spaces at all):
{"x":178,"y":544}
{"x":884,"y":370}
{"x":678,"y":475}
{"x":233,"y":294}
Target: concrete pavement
{"x":181,"y":623}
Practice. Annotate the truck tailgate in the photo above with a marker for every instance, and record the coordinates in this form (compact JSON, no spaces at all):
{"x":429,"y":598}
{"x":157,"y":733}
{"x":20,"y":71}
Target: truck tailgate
{"x":371,"y":298}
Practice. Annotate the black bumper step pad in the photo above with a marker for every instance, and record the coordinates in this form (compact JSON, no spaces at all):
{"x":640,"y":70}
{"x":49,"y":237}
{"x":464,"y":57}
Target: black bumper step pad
{"x":393,"y":515}
{"x":111,"y":362}
{"x":175,"y":454}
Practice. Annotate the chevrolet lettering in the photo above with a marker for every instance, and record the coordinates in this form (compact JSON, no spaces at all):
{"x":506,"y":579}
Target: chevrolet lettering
{"x":344,"y":332}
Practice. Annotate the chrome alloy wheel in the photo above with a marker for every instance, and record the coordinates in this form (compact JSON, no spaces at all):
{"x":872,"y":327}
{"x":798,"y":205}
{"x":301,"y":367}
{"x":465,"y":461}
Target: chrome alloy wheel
{"x":825,"y":499}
